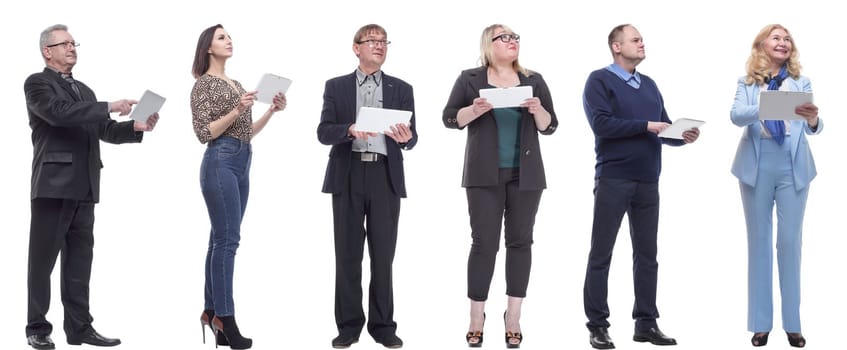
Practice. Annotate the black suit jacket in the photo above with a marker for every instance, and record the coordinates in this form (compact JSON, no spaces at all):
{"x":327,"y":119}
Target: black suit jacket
{"x":339,"y":112}
{"x":65,"y":137}
{"x":481,"y":157}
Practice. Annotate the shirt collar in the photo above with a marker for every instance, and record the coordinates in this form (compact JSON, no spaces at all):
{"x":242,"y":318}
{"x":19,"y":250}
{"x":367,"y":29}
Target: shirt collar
{"x":623,"y":74}
{"x":362,"y":78}
{"x":63,"y":74}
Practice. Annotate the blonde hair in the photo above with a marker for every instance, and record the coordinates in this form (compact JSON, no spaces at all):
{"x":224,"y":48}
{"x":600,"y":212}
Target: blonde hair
{"x":758,"y":65}
{"x":486,"y":48}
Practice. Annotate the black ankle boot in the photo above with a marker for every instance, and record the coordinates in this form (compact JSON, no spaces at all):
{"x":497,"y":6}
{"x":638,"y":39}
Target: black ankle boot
{"x":225,"y":326}
{"x":206,"y":320}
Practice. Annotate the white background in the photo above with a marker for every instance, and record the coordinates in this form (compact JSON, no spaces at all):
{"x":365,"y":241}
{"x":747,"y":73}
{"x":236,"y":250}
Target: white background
{"x":152,"y":227}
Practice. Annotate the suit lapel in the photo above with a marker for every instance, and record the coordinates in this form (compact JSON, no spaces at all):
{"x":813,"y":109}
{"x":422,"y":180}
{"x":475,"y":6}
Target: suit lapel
{"x":479,"y":80}
{"x":797,"y":126}
{"x":63,"y":83}
{"x":755,"y":129}
{"x":348,"y":96}
{"x":389,"y":92}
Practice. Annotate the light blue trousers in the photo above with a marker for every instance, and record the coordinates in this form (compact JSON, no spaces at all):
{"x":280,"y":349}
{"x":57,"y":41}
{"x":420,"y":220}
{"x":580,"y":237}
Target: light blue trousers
{"x":774,"y":184}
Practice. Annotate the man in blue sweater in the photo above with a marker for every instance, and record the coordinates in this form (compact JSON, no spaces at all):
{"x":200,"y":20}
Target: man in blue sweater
{"x":626,"y":113}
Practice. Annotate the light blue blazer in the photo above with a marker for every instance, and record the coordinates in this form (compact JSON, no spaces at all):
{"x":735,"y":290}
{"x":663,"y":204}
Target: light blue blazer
{"x":745,"y":113}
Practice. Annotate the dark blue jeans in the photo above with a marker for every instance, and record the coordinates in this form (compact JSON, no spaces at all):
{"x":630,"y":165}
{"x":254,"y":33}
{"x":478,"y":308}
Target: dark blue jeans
{"x":225,"y":181}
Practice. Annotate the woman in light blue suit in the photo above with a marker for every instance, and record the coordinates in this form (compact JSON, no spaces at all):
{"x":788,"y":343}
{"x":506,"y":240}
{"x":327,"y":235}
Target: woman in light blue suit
{"x":774,"y":165}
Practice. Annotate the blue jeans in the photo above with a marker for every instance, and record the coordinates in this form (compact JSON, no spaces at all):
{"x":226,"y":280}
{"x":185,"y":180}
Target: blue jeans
{"x":225,"y":181}
{"x":774,"y":185}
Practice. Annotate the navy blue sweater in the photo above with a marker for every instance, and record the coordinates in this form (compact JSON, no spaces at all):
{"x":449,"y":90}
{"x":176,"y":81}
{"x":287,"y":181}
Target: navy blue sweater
{"x":618,"y":115}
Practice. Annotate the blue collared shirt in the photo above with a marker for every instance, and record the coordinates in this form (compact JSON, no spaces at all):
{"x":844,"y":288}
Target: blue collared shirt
{"x":633,"y":80}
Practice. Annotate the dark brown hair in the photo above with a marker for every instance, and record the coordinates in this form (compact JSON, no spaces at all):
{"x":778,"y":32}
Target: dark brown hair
{"x":201,"y":56}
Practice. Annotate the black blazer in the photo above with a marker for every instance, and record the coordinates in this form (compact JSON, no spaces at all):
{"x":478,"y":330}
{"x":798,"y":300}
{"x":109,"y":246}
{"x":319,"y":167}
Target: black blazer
{"x":65,"y":132}
{"x":481,"y":157}
{"x":339,"y":112}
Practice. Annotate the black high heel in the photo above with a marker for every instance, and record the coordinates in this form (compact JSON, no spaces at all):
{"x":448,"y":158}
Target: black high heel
{"x":475,"y":334}
{"x":760,"y":339}
{"x":225,"y":327}
{"x":511,"y":335}
{"x":205,"y":320}
{"x":796,"y":340}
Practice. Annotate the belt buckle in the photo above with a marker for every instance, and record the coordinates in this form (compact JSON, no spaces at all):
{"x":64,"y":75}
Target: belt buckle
{"x":369,"y":157}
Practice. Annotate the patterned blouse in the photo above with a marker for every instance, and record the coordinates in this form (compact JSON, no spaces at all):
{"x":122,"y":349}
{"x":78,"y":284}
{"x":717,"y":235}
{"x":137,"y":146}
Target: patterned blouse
{"x":211,"y":99}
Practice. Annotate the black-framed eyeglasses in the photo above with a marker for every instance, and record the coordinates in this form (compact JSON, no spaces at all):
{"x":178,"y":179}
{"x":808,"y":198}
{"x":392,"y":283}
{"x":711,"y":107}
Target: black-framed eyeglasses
{"x":506,"y":37}
{"x":374,"y":42}
{"x":66,"y":44}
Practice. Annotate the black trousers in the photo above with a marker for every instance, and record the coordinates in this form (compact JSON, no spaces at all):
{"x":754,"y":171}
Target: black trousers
{"x":66,"y":226}
{"x":487,"y":207}
{"x":368,"y":210}
{"x":640,"y":202}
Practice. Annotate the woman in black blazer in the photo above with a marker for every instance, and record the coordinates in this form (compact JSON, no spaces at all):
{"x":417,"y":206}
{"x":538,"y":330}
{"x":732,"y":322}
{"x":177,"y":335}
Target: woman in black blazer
{"x":503,"y":173}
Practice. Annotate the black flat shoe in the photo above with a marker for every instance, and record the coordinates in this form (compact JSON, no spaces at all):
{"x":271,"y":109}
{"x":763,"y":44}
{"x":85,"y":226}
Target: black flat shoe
{"x":391,"y":341}
{"x":40,"y":342}
{"x":760,"y":339}
{"x":654,"y":336}
{"x":343,"y":341}
{"x":93,"y":338}
{"x":796,"y":340}
{"x":600,"y":338}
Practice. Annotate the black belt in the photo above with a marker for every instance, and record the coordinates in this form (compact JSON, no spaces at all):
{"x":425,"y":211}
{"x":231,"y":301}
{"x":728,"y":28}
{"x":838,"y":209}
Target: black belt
{"x":368,"y":156}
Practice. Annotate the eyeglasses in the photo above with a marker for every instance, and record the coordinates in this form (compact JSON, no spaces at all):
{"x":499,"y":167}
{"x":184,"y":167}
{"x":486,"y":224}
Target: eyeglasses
{"x":374,"y":42}
{"x":66,"y":44}
{"x":505,"y":37}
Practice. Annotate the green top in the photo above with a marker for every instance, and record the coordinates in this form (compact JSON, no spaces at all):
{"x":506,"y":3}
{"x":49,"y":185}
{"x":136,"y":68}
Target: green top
{"x":508,"y":136}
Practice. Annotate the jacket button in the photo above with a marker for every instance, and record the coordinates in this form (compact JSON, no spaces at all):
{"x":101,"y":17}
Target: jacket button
{"x":527,"y":152}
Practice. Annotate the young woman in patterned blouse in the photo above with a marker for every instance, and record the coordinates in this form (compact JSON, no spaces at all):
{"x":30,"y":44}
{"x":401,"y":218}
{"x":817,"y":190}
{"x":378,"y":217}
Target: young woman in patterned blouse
{"x":222,"y":118}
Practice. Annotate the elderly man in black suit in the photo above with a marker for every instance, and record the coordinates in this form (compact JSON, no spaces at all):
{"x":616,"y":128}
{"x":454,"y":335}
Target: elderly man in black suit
{"x":67,"y":123}
{"x":365,"y":176}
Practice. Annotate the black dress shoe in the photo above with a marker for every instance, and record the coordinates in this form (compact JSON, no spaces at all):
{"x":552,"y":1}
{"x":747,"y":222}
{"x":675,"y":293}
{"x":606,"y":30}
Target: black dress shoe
{"x":654,"y":336}
{"x":40,"y":341}
{"x":391,"y":341}
{"x":600,"y":338}
{"x":93,"y":338}
{"x":343,"y":341}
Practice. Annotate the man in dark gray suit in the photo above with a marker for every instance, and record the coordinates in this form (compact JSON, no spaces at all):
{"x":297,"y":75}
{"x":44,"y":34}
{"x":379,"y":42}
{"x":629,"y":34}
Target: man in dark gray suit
{"x":67,"y":123}
{"x":365,"y":177}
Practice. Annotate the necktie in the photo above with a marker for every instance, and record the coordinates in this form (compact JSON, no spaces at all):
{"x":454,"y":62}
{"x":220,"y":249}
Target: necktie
{"x":70,"y":79}
{"x":777,"y":127}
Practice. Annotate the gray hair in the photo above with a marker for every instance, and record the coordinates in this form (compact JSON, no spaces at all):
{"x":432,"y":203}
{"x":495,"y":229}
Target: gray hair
{"x":48,"y":33}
